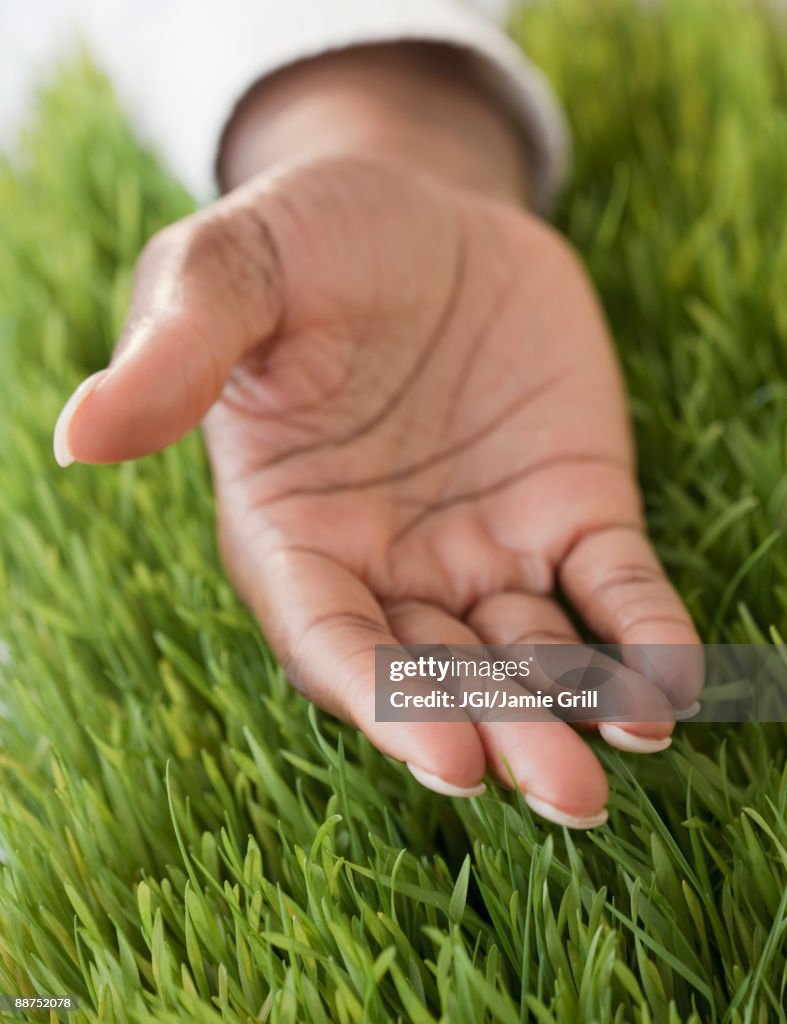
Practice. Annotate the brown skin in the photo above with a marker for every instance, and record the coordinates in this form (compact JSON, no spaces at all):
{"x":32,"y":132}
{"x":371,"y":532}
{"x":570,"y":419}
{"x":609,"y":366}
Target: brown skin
{"x":415,"y":419}
{"x":419,"y":105}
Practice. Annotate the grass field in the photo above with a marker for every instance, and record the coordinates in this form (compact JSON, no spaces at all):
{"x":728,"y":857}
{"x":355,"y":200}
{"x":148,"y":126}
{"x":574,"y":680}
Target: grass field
{"x":184,"y":838}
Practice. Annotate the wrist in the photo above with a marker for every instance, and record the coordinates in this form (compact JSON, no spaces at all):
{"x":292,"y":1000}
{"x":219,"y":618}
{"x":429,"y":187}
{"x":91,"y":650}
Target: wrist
{"x":415,"y":103}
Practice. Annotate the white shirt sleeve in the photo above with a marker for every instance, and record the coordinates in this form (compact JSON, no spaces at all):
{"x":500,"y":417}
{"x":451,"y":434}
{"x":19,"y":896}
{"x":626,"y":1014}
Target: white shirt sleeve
{"x":180,"y":66}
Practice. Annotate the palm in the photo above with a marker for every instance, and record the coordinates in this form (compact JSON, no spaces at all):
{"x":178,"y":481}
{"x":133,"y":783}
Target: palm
{"x":435,"y":435}
{"x":448,"y":441}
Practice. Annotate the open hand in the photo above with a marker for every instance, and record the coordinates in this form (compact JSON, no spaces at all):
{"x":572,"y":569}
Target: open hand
{"x":417,"y":433}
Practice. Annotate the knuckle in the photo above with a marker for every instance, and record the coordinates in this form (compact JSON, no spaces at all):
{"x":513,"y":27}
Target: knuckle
{"x":158,"y":247}
{"x":239,"y":247}
{"x":637,"y":575}
{"x":231,"y":247}
{"x":207,"y":242}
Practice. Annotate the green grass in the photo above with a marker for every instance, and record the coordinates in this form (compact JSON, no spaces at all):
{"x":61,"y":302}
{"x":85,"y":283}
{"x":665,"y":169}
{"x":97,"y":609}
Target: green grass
{"x":185,"y":840}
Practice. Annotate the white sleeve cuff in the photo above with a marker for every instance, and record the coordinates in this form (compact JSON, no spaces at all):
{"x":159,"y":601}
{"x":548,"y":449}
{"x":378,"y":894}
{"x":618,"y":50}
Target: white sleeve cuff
{"x":182,"y":66}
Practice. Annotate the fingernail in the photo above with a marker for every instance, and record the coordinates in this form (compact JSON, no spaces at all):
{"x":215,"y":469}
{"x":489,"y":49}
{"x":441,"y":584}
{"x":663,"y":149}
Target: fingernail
{"x":554,"y":814}
{"x":434,"y":782}
{"x":623,"y":740}
{"x":63,"y":453}
{"x":681,"y":714}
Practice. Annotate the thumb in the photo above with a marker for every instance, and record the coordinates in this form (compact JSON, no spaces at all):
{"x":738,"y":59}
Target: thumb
{"x":207,"y":291}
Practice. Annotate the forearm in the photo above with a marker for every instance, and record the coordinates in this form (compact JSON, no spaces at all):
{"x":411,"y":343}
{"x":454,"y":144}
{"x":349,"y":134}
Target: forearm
{"x":415,"y":103}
